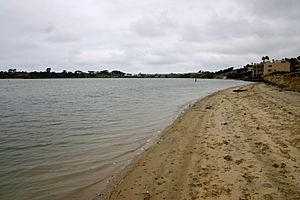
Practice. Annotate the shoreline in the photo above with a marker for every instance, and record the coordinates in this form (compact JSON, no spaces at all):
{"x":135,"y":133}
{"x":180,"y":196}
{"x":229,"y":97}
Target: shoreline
{"x":115,"y":181}
{"x":168,"y":169}
{"x":106,"y":193}
{"x":92,"y":192}
{"x":156,"y":140}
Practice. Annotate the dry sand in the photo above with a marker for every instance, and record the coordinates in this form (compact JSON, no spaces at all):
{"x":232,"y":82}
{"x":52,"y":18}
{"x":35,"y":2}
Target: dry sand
{"x":229,"y":145}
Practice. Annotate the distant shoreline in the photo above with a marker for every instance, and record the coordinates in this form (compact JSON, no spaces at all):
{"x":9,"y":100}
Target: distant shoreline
{"x":230,"y":73}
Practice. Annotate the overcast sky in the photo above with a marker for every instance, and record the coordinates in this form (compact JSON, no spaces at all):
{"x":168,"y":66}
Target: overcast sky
{"x":146,"y":35}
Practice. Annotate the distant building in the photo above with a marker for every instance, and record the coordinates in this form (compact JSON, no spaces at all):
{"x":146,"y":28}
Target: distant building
{"x":297,"y":68}
{"x":258,"y":70}
{"x":276,"y":66}
{"x":265,"y":68}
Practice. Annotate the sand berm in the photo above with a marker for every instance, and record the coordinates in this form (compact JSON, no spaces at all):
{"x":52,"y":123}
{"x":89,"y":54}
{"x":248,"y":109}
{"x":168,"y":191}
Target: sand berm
{"x":239,"y":143}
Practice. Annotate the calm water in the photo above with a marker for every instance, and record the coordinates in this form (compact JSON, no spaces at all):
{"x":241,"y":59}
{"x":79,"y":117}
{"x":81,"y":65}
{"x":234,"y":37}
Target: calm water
{"x":57,"y":136}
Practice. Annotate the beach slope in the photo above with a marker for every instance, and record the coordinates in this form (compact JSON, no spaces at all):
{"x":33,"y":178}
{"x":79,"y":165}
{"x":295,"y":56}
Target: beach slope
{"x":239,"y":143}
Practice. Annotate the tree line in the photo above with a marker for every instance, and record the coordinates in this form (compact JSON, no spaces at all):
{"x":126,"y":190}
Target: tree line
{"x":243,"y":73}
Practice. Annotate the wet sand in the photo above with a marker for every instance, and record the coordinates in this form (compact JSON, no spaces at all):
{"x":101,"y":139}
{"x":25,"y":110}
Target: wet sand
{"x":229,"y":145}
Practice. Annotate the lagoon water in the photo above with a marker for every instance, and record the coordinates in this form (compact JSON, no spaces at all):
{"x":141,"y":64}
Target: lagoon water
{"x":61,"y":135}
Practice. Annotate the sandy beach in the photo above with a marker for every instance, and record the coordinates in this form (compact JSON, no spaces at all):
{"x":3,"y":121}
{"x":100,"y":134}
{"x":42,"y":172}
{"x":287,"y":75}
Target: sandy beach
{"x":241,"y":144}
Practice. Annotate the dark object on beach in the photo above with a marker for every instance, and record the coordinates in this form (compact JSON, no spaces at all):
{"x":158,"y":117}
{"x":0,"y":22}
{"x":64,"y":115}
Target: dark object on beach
{"x":275,"y":165}
{"x":228,"y":158}
{"x":239,"y":90}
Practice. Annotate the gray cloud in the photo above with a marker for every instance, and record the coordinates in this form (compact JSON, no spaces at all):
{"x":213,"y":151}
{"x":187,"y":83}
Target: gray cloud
{"x":145,"y":36}
{"x":154,"y":27}
{"x":53,"y":35}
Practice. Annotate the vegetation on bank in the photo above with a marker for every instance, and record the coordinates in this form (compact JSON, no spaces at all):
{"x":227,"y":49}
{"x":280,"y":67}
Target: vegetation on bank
{"x":243,"y":73}
{"x":289,"y":81}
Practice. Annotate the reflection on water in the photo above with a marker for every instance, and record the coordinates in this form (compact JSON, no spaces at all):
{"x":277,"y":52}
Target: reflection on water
{"x":60,"y":135}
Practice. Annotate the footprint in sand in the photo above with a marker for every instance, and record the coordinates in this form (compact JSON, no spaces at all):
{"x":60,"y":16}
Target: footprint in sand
{"x":249,"y":178}
{"x":268,"y":197}
{"x":225,"y":142}
{"x":262,"y":147}
{"x":267,"y":185}
{"x":238,"y":162}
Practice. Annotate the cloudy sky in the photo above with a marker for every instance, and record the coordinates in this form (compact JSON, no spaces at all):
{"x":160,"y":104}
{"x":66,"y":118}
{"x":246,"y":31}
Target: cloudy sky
{"x":145,"y":35}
